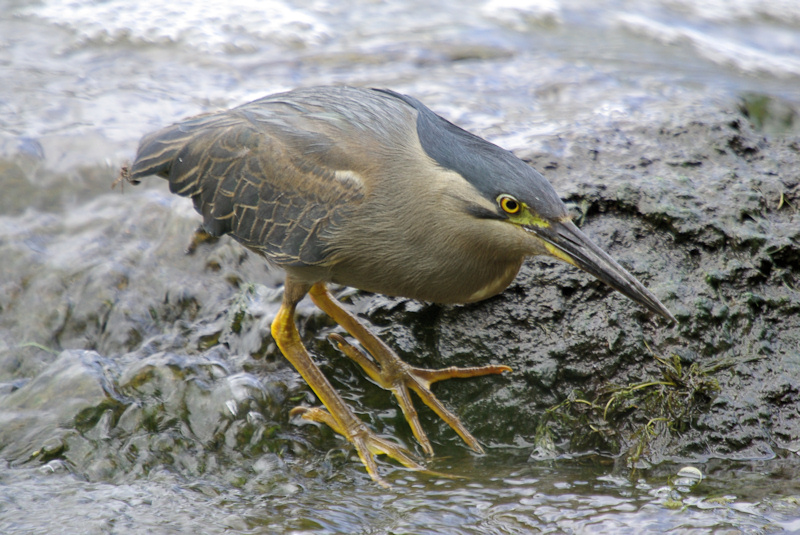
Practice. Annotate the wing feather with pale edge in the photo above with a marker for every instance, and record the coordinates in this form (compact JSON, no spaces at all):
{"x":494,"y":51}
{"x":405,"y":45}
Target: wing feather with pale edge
{"x":265,"y":178}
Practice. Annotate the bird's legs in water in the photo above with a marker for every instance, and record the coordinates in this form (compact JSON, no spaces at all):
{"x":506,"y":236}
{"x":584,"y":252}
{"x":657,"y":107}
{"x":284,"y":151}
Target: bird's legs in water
{"x":339,"y":416}
{"x":389,"y":371}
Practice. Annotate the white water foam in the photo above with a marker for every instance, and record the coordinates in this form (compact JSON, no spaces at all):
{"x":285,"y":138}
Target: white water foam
{"x":203,"y":24}
{"x":715,"y":48}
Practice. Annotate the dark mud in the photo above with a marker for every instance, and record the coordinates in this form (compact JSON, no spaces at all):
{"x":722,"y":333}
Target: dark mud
{"x":143,"y":356}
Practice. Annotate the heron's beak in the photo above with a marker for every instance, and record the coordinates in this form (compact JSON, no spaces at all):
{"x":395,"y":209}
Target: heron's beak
{"x":566,"y":242}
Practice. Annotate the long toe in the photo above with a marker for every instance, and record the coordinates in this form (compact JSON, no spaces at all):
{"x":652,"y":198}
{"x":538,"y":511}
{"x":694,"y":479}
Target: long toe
{"x":420,"y":379}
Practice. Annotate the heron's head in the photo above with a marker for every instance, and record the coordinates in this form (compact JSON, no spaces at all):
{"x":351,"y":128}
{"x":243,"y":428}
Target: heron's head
{"x":560,"y":238}
{"x":512,"y":192}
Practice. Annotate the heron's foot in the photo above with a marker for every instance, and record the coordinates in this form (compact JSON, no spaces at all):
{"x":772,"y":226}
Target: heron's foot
{"x":388,"y":370}
{"x":367,"y":443}
{"x":397,"y":376}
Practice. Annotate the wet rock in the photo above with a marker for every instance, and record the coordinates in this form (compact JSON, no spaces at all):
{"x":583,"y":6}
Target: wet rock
{"x":188,"y":380}
{"x":36,"y":418}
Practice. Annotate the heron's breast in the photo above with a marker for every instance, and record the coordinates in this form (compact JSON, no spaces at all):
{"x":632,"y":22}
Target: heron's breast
{"x":495,"y":285}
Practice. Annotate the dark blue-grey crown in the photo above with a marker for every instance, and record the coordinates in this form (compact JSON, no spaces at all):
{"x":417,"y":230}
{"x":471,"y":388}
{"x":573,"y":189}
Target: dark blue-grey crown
{"x":489,"y":168}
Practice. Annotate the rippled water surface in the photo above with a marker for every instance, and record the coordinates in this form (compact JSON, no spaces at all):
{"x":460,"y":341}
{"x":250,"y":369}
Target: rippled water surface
{"x":82,"y":81}
{"x":563,"y":497}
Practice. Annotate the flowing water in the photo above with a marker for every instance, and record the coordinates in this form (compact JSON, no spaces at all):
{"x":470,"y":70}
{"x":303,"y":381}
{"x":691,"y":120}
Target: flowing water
{"x":81,"y":81}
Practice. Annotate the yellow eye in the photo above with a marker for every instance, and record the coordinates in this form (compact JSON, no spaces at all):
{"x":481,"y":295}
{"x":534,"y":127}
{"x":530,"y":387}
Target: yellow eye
{"x":509,"y":204}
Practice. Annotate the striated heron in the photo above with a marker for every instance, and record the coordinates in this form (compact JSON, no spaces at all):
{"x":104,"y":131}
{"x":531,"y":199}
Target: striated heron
{"x":371,"y":189}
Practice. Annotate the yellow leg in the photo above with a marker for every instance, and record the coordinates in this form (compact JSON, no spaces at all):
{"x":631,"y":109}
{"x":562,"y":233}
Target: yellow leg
{"x":339,"y":417}
{"x":394,"y":374}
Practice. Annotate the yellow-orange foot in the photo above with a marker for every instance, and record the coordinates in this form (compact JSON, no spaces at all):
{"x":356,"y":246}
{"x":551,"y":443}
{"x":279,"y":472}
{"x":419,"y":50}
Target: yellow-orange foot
{"x":339,"y":416}
{"x":395,"y":375}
